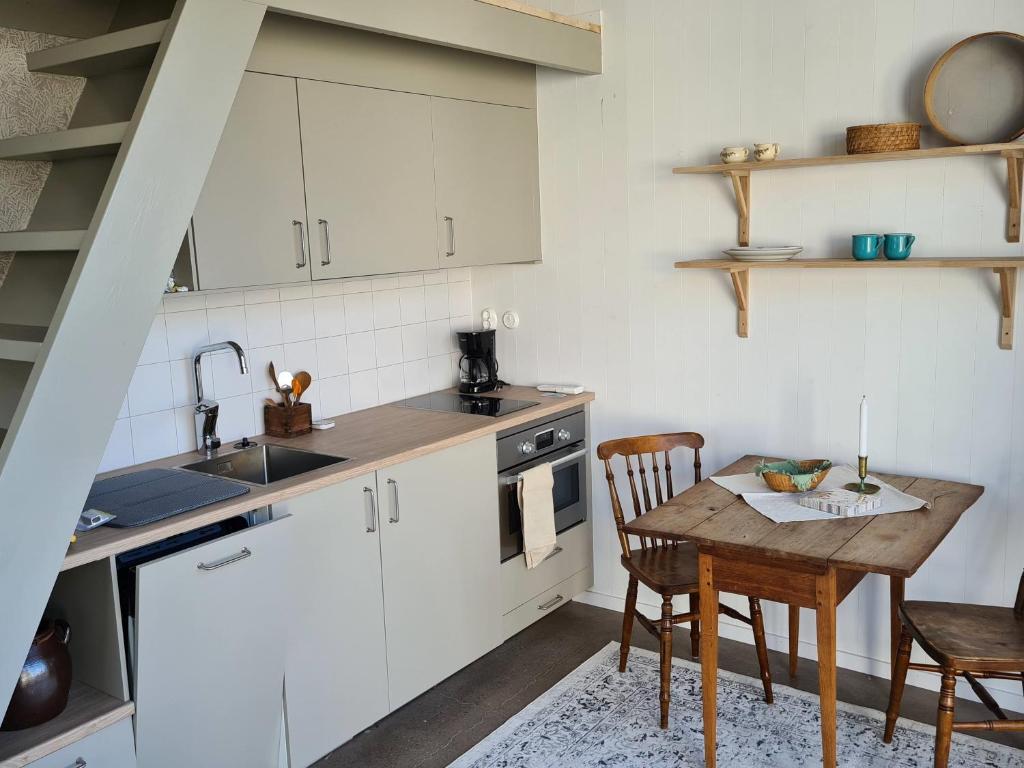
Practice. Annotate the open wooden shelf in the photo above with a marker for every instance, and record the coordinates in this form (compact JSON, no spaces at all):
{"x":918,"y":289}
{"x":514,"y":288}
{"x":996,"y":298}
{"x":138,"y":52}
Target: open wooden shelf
{"x":739,"y":174}
{"x":87,"y":712}
{"x":21,"y":342}
{"x":41,"y":240}
{"x":739,"y":271}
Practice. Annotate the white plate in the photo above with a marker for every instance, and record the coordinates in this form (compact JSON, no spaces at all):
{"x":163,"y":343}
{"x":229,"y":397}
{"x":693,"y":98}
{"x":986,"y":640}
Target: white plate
{"x":763,"y":253}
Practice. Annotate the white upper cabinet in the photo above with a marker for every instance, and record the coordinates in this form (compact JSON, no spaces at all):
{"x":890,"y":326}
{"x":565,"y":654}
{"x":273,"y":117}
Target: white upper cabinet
{"x":244,"y":228}
{"x":488,"y":189}
{"x":368,"y":160}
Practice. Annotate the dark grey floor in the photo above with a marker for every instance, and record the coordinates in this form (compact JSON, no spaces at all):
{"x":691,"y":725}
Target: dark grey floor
{"x":447,"y":720}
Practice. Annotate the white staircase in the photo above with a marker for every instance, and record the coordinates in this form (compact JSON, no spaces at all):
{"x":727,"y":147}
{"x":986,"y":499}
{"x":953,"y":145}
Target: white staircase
{"x":90,"y":269}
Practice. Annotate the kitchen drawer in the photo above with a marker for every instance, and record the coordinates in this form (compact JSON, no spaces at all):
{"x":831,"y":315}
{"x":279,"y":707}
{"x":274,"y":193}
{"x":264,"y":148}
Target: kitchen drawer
{"x":519,"y":584}
{"x":546,"y":602}
{"x":113,"y":747}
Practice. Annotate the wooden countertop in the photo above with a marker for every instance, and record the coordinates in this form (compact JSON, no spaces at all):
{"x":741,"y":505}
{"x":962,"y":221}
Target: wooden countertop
{"x":371,"y":439}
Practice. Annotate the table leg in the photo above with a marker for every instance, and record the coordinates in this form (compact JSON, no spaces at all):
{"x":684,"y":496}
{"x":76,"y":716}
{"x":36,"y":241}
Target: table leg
{"x":826,"y":622}
{"x":709,"y":656}
{"x":794,"y":639}
{"x":897,"y":586}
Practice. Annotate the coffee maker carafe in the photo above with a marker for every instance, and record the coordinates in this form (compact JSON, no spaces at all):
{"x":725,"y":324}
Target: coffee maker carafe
{"x":478,"y":367}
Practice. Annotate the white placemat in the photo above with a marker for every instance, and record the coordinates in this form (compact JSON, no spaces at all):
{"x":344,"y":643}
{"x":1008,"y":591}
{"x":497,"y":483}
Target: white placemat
{"x":786,"y":508}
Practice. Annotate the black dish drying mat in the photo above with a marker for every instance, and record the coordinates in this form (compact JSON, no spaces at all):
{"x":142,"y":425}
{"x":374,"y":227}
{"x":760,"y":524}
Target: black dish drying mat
{"x":144,"y":497}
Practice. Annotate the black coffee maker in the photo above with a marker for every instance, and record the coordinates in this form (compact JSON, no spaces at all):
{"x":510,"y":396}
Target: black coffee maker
{"x":478,"y":367}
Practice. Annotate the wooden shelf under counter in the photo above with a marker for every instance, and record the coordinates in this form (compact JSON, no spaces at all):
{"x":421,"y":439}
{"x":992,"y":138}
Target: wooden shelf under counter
{"x":739,"y":271}
{"x":88,"y":711}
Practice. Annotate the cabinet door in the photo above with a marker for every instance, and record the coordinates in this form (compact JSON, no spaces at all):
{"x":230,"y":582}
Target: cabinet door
{"x":212,"y":633}
{"x":244,"y":230}
{"x":439,"y":547}
{"x":336,"y":678}
{"x":368,"y":159}
{"x":112,"y":747}
{"x":488,"y":189}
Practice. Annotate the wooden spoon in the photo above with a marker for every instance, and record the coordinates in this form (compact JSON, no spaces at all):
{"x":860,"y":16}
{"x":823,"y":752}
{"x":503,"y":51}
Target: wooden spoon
{"x":302,"y":382}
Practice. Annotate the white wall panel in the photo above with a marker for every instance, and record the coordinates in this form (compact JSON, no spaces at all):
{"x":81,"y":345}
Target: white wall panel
{"x":682,"y":78}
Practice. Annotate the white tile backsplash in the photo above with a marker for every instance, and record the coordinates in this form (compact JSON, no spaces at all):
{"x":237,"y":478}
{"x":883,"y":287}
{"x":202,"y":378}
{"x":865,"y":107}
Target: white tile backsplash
{"x":297,"y":320}
{"x":365,"y":341}
{"x":389,"y":346}
{"x":359,"y":312}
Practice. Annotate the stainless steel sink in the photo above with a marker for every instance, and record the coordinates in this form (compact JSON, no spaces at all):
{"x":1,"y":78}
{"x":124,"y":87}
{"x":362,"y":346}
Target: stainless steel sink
{"x":264,"y":464}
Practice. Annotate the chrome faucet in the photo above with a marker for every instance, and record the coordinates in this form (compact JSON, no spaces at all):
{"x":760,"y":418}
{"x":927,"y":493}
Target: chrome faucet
{"x":207,"y":411}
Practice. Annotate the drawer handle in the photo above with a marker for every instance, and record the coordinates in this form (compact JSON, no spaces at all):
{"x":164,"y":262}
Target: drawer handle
{"x":79,"y":763}
{"x":556,"y":551}
{"x":550,"y":603}
{"x":225,"y":560}
{"x":371,"y":511}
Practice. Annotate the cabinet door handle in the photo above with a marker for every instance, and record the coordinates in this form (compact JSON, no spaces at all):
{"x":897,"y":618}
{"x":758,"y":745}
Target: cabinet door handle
{"x":213,"y":566}
{"x":450,"y":222}
{"x":550,"y":603}
{"x":327,"y":242}
{"x":393,"y":517}
{"x":371,"y":511}
{"x":79,"y":763}
{"x":302,"y":243}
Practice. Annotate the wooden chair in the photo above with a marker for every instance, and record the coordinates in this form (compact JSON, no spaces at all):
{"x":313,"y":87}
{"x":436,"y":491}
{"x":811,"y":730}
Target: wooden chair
{"x":972,"y":641}
{"x":668,"y":568}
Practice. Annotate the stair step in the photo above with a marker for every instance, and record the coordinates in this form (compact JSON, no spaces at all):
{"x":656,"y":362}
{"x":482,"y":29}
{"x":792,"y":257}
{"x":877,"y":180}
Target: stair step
{"x":31,"y":240}
{"x":91,"y":141}
{"x":125,"y":49}
{"x":21,"y":342}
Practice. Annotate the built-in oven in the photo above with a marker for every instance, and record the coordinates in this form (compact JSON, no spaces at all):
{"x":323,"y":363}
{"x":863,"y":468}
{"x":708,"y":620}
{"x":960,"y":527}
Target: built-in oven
{"x":560,"y":442}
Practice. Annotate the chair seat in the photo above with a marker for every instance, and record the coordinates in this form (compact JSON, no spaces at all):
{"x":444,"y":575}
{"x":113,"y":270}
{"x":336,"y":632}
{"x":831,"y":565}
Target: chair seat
{"x":967,"y":637}
{"x":665,"y":569}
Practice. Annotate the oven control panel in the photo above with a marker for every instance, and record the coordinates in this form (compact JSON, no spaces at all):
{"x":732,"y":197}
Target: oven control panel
{"x":531,"y":442}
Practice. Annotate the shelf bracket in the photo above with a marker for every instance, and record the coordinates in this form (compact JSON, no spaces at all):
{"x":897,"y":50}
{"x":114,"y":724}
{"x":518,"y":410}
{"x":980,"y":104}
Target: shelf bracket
{"x":1014,"y":171}
{"x":741,"y":284}
{"x":1008,"y":296}
{"x":741,"y":187}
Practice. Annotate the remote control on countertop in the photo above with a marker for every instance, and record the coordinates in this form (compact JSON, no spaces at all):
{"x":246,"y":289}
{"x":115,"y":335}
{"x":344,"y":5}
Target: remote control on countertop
{"x":562,"y":389}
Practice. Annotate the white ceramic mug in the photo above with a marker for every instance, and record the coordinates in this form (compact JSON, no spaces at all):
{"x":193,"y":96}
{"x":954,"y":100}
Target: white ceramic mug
{"x":763,"y":152}
{"x":734,"y":154}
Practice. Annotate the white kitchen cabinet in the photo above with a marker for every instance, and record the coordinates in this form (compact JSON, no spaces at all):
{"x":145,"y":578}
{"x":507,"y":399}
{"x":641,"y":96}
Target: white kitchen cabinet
{"x":488,"y":189}
{"x":369,"y":170}
{"x":250,"y":220}
{"x":440,"y":554}
{"x":212,"y":632}
{"x":336,"y":677}
{"x":112,"y":747}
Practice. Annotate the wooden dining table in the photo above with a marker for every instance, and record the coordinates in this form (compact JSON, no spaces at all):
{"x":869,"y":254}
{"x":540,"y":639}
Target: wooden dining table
{"x":813,"y":564}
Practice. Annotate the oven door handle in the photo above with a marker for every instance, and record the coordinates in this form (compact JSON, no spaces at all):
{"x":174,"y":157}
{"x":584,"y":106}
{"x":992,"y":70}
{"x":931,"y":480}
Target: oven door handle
{"x":513,"y":479}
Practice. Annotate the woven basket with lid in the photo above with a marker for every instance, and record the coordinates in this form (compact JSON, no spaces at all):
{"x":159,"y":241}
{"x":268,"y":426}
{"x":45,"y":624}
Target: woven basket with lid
{"x":882,"y":137}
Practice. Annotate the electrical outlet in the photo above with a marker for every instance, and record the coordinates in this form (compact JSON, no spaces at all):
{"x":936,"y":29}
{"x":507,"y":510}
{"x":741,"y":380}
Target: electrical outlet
{"x":488,"y":319}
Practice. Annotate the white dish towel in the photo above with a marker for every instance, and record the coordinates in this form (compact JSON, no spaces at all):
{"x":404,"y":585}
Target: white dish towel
{"x":538,"y":511}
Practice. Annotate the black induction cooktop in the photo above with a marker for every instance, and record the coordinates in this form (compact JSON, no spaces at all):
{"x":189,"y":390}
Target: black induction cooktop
{"x":455,"y":403}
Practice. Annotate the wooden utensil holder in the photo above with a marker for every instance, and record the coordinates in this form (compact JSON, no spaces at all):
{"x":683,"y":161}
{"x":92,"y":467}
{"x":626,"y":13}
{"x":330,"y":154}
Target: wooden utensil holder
{"x":283,"y":421}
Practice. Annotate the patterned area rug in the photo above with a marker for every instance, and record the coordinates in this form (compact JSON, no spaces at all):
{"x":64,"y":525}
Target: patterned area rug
{"x":597,"y":717}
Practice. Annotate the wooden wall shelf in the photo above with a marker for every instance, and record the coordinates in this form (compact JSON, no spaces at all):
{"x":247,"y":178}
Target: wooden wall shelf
{"x":739,"y":271}
{"x":739,"y":174}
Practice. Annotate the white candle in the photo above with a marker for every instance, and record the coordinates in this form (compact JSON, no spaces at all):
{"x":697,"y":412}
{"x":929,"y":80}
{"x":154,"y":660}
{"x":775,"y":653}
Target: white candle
{"x":863,"y":449}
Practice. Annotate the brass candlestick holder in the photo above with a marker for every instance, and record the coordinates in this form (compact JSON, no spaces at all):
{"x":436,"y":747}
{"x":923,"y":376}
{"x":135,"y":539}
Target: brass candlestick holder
{"x":862,"y":487}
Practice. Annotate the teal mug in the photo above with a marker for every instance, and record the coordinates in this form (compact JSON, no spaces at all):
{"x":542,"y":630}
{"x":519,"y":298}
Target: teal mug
{"x":897,"y":245}
{"x":866,"y":247}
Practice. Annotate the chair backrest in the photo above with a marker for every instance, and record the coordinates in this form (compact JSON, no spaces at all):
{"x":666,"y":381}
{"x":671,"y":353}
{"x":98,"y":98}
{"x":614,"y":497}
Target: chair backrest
{"x":636,"y":448}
